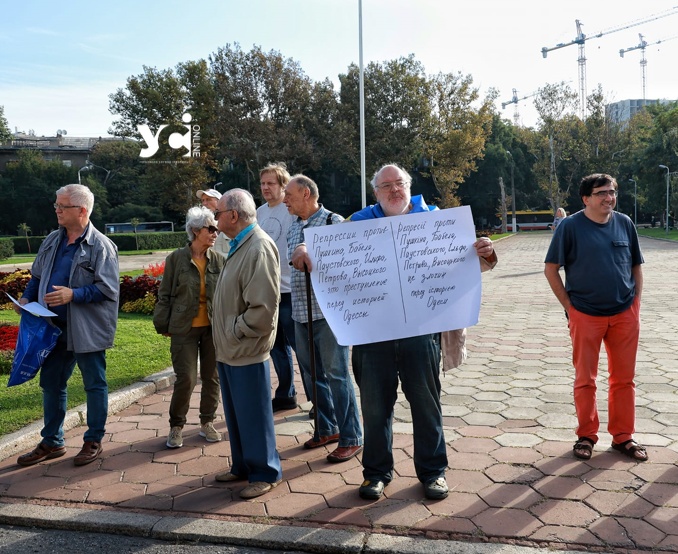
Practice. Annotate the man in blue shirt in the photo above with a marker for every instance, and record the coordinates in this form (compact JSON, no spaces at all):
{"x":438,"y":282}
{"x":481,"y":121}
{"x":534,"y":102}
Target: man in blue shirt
{"x":75,"y":274}
{"x":599,"y":250}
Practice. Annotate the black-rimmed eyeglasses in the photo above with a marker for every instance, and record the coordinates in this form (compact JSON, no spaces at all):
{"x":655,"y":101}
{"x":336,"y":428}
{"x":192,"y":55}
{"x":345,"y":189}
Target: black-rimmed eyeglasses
{"x":603,"y":193}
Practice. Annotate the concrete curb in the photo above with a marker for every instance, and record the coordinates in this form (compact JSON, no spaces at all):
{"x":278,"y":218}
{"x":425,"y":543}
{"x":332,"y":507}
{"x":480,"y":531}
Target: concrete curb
{"x":26,"y":438}
{"x":253,"y":535}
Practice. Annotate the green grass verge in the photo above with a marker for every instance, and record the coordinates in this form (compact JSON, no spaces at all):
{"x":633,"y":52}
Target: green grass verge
{"x":23,"y":259}
{"x":659,"y":233}
{"x":138,"y":352}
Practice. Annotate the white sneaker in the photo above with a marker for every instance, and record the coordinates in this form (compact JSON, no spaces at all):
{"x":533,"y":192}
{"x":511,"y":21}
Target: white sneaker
{"x":209,"y":432}
{"x":175,"y":439}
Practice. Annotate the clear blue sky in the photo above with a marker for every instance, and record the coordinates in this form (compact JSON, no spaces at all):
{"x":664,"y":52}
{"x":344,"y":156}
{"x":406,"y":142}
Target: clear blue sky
{"x":60,"y":61}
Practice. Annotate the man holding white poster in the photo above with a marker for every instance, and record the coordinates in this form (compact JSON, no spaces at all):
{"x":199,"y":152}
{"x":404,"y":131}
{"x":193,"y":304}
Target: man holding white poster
{"x":415,"y":361}
{"x":338,"y":416}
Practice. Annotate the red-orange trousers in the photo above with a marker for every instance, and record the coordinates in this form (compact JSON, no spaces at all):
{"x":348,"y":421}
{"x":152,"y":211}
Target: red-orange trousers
{"x":620,"y":334}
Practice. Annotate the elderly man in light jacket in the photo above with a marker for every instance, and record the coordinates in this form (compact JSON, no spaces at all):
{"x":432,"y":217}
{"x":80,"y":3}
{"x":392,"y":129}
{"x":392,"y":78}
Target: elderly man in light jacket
{"x":244,"y":319}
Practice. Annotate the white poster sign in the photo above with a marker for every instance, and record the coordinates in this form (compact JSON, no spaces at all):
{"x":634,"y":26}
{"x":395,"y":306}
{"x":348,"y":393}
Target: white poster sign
{"x":396,"y":277}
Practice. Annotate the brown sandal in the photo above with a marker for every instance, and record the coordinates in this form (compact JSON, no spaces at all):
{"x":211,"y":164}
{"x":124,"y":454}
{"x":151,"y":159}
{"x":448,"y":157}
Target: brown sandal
{"x":583,"y":448}
{"x":632,"y":449}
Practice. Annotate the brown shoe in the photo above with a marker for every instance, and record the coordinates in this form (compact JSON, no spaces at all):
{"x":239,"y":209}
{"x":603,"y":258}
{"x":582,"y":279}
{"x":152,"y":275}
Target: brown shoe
{"x":228,"y":477}
{"x":40,"y":453}
{"x":90,"y":452}
{"x":257,"y":489}
{"x":322,"y":441}
{"x":344,"y":453}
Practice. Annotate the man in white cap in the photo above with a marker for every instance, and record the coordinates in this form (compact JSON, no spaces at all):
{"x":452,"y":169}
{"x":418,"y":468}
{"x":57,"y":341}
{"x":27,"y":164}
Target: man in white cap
{"x":209,"y":198}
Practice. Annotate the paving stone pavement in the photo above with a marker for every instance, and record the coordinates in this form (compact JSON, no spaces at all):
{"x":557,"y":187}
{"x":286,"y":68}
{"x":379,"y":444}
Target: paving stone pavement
{"x":509,"y":425}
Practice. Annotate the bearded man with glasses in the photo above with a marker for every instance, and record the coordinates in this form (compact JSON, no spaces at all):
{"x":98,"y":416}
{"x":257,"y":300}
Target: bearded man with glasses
{"x":414,"y":362}
{"x":599,"y":249}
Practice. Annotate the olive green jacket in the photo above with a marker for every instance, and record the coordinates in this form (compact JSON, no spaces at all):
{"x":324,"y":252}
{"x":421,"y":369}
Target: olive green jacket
{"x":179,"y":292}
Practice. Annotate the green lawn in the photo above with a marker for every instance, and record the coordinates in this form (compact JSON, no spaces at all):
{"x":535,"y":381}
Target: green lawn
{"x":642,"y":231}
{"x":138,"y":352}
{"x":658,"y":233}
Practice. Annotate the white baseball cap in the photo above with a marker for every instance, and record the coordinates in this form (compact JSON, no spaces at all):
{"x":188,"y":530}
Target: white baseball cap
{"x":209,"y":192}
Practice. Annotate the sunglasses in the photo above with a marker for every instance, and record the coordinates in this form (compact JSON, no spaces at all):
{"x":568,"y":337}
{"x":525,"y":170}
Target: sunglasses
{"x":211,"y":229}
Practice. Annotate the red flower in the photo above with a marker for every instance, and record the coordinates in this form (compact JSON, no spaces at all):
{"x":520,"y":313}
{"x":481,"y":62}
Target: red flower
{"x":155,"y":270}
{"x":8,"y":336}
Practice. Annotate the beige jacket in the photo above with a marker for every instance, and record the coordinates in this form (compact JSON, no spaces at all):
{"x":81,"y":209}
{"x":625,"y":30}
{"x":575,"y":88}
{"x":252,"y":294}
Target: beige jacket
{"x":245,"y":306}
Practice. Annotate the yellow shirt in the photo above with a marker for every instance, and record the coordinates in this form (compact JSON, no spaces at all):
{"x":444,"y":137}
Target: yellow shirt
{"x":202,"y":319}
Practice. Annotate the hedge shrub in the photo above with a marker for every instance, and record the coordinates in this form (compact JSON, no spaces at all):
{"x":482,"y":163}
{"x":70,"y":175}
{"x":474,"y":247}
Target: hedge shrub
{"x":6,"y":248}
{"x":21,"y":246}
{"x":150,"y":241}
{"x":124,"y":241}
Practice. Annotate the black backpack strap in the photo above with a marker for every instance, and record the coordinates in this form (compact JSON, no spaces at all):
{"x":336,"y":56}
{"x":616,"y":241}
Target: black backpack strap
{"x":329,"y":218}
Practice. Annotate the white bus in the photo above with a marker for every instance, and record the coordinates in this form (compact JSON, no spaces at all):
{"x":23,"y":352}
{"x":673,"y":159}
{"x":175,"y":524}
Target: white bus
{"x":528,"y":220}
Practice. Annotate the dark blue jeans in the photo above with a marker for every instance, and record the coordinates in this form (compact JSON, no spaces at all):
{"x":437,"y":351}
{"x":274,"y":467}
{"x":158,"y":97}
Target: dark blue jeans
{"x":336,"y":405}
{"x":281,"y":354}
{"x":54,"y":376}
{"x":415,"y":361}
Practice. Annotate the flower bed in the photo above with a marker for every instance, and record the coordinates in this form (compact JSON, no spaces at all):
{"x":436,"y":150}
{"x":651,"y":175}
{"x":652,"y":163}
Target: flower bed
{"x":137,"y":294}
{"x":8,"y":336}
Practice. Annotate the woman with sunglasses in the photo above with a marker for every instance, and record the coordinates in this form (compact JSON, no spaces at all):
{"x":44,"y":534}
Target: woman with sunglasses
{"x":184,"y":313}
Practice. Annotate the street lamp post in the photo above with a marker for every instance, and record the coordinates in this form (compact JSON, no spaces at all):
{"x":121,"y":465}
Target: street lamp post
{"x":79,"y":170}
{"x":513,"y":196}
{"x":667,"y":195}
{"x":635,"y":202}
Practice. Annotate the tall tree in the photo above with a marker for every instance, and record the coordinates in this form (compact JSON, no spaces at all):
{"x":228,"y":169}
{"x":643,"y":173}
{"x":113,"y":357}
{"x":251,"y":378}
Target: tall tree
{"x":396,"y":109}
{"x":265,"y":111}
{"x":456,"y":132}
{"x":163,"y":97}
{"x":556,"y":105}
{"x":27,"y":192}
{"x":5,"y":133}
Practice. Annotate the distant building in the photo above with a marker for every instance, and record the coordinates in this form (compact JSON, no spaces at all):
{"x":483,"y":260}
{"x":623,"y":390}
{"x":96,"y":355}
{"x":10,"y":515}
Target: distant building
{"x":71,"y":151}
{"x":625,"y":109}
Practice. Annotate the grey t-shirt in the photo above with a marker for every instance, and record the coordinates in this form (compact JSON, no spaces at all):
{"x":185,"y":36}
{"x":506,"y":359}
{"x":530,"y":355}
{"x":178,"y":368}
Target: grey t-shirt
{"x":598,"y":259}
{"x":276,"y":222}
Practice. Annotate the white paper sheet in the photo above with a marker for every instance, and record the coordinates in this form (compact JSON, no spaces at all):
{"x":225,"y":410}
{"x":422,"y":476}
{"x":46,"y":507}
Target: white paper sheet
{"x":33,"y":308}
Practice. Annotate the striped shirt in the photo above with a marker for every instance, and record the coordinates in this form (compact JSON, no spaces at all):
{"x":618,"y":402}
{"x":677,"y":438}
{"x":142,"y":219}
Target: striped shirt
{"x":295,"y":236}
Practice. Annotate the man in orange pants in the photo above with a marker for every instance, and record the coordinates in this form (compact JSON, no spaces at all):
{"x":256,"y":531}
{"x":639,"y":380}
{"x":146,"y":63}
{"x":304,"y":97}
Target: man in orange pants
{"x":599,"y":250}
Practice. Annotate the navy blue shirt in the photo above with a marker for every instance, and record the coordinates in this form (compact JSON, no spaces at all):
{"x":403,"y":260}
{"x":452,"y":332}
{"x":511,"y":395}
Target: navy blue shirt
{"x":598,"y":259}
{"x":61,"y":275}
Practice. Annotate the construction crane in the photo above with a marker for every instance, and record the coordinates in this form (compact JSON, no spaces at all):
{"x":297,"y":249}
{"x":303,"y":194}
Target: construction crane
{"x":515,"y":100}
{"x":581,"y":39}
{"x":643,"y":62}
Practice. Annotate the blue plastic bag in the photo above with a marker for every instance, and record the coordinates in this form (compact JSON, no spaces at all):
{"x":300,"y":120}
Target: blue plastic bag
{"x":37,"y":338}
